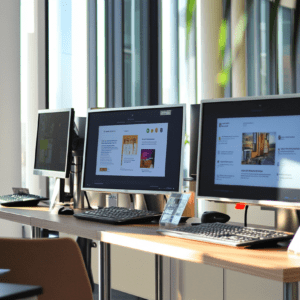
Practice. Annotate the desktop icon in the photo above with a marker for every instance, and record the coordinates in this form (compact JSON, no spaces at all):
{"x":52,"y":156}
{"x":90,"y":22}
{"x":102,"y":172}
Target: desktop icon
{"x":151,"y":130}
{"x":147,"y":130}
{"x":156,"y":129}
{"x":161,"y":130}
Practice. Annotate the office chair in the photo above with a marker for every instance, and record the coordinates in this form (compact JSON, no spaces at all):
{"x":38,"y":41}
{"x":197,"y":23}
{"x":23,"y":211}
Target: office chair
{"x":54,"y":264}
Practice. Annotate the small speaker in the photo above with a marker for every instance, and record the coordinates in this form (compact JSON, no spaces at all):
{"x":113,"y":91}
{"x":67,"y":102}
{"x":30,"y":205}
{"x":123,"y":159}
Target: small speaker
{"x":194,"y":138}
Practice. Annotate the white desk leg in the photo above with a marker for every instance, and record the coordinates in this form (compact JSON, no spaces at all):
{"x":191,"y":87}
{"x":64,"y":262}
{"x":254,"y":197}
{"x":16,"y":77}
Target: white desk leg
{"x":158,"y":277}
{"x":104,"y":270}
{"x":290,"y":291}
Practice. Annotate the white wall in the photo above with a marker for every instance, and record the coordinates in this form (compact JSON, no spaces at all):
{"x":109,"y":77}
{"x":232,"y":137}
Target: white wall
{"x":33,"y":85}
{"x":10,"y":125}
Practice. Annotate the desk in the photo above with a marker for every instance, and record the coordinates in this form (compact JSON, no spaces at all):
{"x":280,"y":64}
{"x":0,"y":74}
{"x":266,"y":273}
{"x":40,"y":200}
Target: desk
{"x":274,"y":264}
{"x":17,"y":291}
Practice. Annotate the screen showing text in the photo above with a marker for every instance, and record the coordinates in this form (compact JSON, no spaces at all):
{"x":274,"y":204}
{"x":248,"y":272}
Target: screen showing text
{"x":258,"y":151}
{"x":132,"y":150}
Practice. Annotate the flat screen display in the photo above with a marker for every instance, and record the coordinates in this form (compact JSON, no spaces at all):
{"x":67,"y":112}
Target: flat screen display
{"x":250,"y":149}
{"x":136,"y":149}
{"x":53,"y":152}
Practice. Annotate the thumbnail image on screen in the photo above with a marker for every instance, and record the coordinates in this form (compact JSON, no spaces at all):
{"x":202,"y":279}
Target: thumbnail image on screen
{"x":147,"y":158}
{"x":258,"y":148}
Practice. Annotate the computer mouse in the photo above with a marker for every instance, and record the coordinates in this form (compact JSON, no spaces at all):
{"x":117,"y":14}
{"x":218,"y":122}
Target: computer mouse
{"x":66,"y":211}
{"x":213,"y":217}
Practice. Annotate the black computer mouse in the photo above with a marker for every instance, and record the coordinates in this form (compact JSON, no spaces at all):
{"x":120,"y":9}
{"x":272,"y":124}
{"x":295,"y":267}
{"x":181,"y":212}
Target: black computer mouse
{"x":66,"y":211}
{"x":213,"y":217}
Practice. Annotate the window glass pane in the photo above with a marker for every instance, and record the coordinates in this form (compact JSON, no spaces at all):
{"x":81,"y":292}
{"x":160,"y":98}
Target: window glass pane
{"x":284,"y":50}
{"x":251,"y":49}
{"x":127,"y":52}
{"x":186,"y":72}
{"x":68,"y":80}
{"x":169,"y":52}
{"x":264,"y":47}
{"x":68,"y":55}
{"x":101,"y":84}
{"x":131,"y":52}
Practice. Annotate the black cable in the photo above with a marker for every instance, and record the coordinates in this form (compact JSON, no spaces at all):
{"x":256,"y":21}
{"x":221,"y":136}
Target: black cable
{"x":131,"y":198}
{"x":87,"y":199}
{"x":298,"y":215}
{"x":245,"y":217}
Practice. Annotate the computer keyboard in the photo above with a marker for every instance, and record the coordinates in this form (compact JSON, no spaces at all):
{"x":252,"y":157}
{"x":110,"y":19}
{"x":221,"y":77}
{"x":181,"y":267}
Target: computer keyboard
{"x":119,"y":215}
{"x":19,"y":200}
{"x":227,"y":234}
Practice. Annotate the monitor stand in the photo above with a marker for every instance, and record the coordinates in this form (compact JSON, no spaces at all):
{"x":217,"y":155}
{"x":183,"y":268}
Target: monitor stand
{"x":58,"y":192}
{"x":78,"y":195}
{"x":139,"y":202}
{"x":125,"y":200}
{"x":286,"y":219}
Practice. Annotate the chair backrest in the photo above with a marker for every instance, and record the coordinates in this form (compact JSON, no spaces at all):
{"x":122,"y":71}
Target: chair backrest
{"x":54,"y":264}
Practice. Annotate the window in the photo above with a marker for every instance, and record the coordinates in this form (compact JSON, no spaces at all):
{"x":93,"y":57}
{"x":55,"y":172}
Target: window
{"x":68,"y":45}
{"x":178,"y":62}
{"x":269,"y":56}
{"x":284,"y":37}
{"x":68,"y":69}
{"x":132,"y":53}
{"x":101,"y":65}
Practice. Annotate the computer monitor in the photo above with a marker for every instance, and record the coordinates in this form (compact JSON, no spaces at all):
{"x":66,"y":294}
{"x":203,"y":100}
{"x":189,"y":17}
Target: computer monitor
{"x":53,"y":152}
{"x":136,"y":150}
{"x":249,"y":150}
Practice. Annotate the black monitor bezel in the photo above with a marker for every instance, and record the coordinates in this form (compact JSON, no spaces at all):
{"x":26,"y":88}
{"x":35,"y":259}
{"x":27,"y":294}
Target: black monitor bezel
{"x":225,"y":198}
{"x":136,"y":191}
{"x":68,"y":161}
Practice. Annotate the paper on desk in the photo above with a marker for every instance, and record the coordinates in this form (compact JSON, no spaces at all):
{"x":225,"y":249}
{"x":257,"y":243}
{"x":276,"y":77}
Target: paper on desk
{"x":295,"y":243}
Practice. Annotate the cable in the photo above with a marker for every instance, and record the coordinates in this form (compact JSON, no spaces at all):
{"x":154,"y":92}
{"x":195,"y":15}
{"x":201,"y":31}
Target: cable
{"x":245,"y":217}
{"x":87,"y":199}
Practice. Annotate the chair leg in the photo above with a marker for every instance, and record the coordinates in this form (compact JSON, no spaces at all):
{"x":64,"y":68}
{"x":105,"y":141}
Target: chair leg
{"x":85,"y":246}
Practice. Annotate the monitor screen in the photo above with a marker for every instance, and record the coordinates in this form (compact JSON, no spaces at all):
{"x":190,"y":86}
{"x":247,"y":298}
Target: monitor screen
{"x":53,"y":143}
{"x":249,"y":150}
{"x":136,"y":149}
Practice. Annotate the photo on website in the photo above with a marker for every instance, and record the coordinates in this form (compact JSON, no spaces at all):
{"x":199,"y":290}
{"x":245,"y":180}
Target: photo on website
{"x":129,"y":145}
{"x":147,"y":158}
{"x":258,"y":148}
{"x":45,"y":153}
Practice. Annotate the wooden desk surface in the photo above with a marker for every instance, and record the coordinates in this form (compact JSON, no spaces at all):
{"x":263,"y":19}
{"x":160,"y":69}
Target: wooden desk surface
{"x":275,"y":264}
{"x":43,"y":218}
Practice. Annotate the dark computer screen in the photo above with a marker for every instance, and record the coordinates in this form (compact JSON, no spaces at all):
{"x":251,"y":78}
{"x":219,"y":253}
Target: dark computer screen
{"x":250,"y":149}
{"x":53,"y":143}
{"x":136,"y":149}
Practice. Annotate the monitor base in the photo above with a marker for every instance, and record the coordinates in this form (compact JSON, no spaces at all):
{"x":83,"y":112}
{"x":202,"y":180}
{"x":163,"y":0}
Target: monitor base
{"x":60,"y":196}
{"x":286,"y":219}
